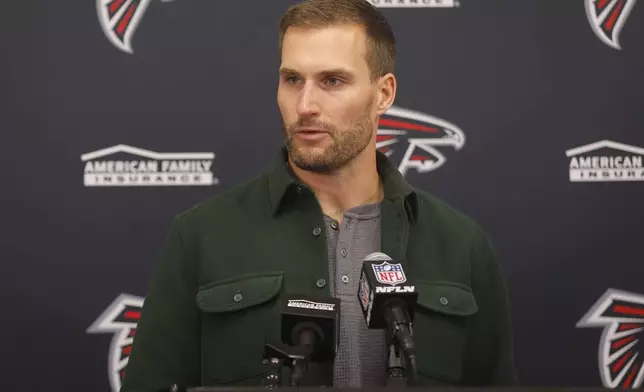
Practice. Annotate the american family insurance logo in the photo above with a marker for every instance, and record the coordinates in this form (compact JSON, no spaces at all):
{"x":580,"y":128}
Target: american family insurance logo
{"x":606,"y":161}
{"x":126,"y":166}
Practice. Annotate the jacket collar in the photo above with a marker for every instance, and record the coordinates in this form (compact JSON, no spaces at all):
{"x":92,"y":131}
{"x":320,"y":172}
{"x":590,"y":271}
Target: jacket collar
{"x":282,"y":182}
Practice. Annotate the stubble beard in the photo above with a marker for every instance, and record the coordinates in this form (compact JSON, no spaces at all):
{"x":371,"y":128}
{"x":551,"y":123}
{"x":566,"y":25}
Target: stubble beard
{"x":346,"y":146}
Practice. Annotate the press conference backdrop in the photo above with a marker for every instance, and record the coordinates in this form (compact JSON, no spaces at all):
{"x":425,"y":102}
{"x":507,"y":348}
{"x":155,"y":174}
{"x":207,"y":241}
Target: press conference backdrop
{"x":117,"y":114}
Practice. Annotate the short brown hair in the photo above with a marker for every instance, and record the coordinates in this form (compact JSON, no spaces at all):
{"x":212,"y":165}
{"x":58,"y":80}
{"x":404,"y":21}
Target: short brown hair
{"x":381,"y":43}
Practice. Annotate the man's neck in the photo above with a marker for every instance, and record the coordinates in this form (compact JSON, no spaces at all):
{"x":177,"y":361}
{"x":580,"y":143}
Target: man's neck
{"x":356,"y":184}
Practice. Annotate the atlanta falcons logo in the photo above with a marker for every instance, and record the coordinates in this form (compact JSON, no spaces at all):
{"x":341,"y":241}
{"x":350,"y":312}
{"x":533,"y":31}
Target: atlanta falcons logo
{"x":621,"y":314}
{"x":120,"y":318}
{"x":423,"y":134}
{"x":119,"y":20}
{"x":607,"y":18}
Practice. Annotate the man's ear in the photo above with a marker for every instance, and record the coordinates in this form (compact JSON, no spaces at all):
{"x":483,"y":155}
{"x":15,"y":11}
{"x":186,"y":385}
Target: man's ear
{"x":387,"y":85}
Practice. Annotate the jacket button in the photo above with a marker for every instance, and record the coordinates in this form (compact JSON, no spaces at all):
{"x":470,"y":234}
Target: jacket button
{"x":443,"y":301}
{"x":238,"y":297}
{"x":321,"y":283}
{"x":317,"y":231}
{"x":334,"y":225}
{"x":299,"y":190}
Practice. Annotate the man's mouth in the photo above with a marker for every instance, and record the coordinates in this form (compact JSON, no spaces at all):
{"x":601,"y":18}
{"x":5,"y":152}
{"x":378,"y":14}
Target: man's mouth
{"x":310,"y":130}
{"x":311,"y":134}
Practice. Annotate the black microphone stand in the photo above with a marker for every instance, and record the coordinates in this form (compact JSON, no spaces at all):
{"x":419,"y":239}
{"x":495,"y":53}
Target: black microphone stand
{"x":395,"y":368}
{"x":401,"y":358}
{"x":276,"y":357}
{"x":306,"y":338}
{"x":279,"y":356}
{"x":273,"y":375}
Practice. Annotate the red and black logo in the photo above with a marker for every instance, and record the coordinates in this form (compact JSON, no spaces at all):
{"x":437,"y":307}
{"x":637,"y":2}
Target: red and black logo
{"x":412,"y":139}
{"x":119,"y":20}
{"x":120,"y":319}
{"x":621,"y":315}
{"x":607,"y":18}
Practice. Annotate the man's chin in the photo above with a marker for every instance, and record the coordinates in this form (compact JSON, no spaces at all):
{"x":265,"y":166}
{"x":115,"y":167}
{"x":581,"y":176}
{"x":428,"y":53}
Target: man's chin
{"x":320,"y":167}
{"x":315,"y":162}
{"x":308,"y":152}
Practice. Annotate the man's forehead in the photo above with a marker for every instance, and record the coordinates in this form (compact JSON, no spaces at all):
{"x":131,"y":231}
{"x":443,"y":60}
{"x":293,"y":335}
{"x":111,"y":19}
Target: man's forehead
{"x":331,"y":28}
{"x":321,"y":49}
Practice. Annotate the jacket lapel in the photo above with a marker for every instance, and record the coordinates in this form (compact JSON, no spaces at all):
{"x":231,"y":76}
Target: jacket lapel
{"x":394,"y":229}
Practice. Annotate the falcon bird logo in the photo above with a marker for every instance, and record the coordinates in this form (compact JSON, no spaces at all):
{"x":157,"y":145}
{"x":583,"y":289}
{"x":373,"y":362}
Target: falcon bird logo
{"x":607,"y":18}
{"x":119,"y":20}
{"x":422,"y":132}
{"x":621,"y":314}
{"x":120,"y":318}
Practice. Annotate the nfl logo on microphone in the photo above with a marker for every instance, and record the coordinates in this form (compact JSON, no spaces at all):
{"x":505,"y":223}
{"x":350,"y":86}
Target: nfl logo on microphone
{"x":387,"y":273}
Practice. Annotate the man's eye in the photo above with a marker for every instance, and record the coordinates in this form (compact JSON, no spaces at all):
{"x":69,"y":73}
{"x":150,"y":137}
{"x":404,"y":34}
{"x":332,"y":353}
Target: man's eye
{"x":291,"y":79}
{"x":333,"y":81}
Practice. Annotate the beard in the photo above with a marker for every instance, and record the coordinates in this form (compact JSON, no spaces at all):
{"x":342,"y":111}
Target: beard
{"x":346,"y":145}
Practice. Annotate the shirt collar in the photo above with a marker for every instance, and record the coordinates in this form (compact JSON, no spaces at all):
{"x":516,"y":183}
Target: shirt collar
{"x":282,"y":181}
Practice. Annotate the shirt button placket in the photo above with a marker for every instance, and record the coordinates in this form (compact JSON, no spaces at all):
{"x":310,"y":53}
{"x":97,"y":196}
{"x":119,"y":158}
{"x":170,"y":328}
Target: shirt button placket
{"x":342,"y":266}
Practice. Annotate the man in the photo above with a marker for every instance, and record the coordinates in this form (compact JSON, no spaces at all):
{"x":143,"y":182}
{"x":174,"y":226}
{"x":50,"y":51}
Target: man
{"x":305,"y":227}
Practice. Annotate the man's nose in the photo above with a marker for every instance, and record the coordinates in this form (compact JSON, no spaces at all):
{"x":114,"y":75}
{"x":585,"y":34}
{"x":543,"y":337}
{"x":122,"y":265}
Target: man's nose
{"x":307,"y":104}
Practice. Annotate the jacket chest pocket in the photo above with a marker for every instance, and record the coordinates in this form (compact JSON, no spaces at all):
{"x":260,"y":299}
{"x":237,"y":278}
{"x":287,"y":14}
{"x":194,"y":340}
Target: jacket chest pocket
{"x":440,"y":330}
{"x":239,"y":315}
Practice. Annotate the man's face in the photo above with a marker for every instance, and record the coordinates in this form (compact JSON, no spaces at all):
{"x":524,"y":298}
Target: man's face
{"x":325,"y":96}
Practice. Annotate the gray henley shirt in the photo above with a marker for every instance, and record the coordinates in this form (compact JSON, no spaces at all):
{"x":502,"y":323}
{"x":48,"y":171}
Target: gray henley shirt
{"x":360,"y":361}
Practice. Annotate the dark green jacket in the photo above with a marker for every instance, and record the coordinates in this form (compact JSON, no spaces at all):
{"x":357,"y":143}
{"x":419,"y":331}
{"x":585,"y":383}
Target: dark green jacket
{"x":215,"y":298}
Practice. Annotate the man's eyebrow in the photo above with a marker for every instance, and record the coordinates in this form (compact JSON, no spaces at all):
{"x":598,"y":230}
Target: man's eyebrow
{"x":333,"y":71}
{"x":337,"y":71}
{"x":288,"y":71}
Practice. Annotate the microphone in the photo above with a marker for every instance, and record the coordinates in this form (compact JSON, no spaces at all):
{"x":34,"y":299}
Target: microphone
{"x":387,"y":298}
{"x":310,"y":324}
